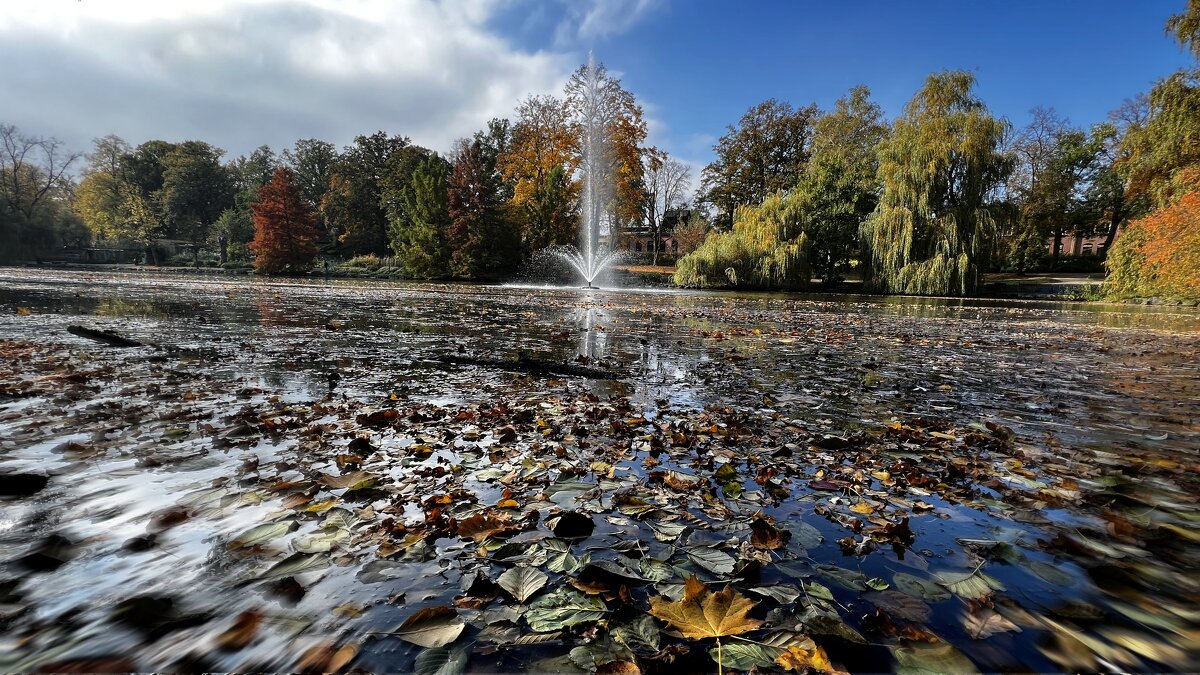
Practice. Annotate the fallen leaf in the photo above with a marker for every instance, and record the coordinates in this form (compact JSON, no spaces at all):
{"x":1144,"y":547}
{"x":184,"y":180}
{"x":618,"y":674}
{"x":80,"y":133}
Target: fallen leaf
{"x":704,"y":614}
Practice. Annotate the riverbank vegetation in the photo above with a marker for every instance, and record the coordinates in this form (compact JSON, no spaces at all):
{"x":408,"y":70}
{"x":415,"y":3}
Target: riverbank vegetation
{"x":924,"y":203}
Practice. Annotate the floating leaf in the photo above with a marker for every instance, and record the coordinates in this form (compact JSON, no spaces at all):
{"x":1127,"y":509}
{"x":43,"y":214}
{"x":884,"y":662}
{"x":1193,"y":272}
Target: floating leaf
{"x":877,"y":584}
{"x":902,"y":605}
{"x":242,"y":632}
{"x":854,"y":581}
{"x":704,"y":614}
{"x":713,"y":560}
{"x":745,"y":655}
{"x":656,"y":570}
{"x":1050,"y":573}
{"x":522,"y":582}
{"x":799,"y":659}
{"x":431,"y":627}
{"x":296,"y":563}
{"x":804,"y":534}
{"x":442,"y":661}
{"x":355,"y":480}
{"x":919,"y":588}
{"x":985,"y":622}
{"x":667,"y":531}
{"x":781,"y":593}
{"x":817,"y":590}
{"x":261,"y":534}
{"x":936,"y":659}
{"x":640,"y":633}
{"x":564,"y":607}
{"x":972,"y":585}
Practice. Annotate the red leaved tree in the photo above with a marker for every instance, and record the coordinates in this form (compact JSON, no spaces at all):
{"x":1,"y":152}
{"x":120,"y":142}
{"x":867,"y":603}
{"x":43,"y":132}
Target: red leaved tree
{"x":285,"y":230}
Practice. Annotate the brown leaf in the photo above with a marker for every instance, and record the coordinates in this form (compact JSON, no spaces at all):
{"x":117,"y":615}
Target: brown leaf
{"x":704,"y":614}
{"x":481,"y":526}
{"x":326,"y":658}
{"x":984,"y":623}
{"x":799,"y":659}
{"x":619,"y":668}
{"x":766,"y":536}
{"x":242,"y":632}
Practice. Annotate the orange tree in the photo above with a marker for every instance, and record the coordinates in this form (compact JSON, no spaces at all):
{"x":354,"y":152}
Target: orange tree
{"x":285,"y":231}
{"x":1159,"y":255}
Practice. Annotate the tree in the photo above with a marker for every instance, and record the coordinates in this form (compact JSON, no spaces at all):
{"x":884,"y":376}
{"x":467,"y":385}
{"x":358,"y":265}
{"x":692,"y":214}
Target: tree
{"x":396,"y":187}
{"x":1185,"y":26}
{"x":767,"y":248}
{"x":353,"y":205}
{"x":99,"y":198}
{"x":424,"y":251}
{"x":484,"y":243}
{"x":690,"y":234}
{"x":941,"y":169}
{"x":31,"y":168}
{"x":1159,"y":255}
{"x":1041,"y":186}
{"x":540,"y":163}
{"x":1166,"y":140}
{"x":235,"y":226}
{"x":667,"y":181}
{"x":840,"y":185}
{"x":285,"y":232}
{"x":766,"y":152}
{"x":196,"y":189}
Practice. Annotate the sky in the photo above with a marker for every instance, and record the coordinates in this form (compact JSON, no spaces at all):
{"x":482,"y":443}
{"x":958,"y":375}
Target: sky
{"x":242,"y":73}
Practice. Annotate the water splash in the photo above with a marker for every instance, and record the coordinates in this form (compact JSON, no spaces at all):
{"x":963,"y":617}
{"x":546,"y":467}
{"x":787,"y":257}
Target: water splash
{"x":595,"y":114}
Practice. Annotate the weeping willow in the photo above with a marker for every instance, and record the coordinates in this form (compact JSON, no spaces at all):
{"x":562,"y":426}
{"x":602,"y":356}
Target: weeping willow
{"x":937,"y":218}
{"x":765,"y":249}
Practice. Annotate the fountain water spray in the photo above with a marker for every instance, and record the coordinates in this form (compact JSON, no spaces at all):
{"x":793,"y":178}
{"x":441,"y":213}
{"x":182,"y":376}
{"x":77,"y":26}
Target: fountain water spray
{"x":595,"y":110}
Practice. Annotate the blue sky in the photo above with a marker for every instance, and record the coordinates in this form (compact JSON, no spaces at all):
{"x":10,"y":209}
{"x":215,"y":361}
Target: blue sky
{"x":241,"y":73}
{"x":700,"y":63}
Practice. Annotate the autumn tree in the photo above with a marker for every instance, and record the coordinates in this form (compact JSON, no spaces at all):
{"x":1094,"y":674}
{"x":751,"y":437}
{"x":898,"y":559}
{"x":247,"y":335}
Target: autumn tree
{"x":1185,"y":27}
{"x":285,"y":233}
{"x":1159,"y":255}
{"x":540,"y":163}
{"x":941,"y":169}
{"x":353,"y":205}
{"x":32,"y":168}
{"x":765,"y":153}
{"x":483,"y":241}
{"x":1167,"y":139}
{"x":667,"y":183}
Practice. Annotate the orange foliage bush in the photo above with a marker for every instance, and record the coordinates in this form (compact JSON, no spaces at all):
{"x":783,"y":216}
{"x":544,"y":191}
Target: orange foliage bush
{"x":1159,"y":255}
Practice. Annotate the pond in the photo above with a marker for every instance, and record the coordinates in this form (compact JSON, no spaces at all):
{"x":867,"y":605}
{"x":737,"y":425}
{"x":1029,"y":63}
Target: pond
{"x":316,"y":475}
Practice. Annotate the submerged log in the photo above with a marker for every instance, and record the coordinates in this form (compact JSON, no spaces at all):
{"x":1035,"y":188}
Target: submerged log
{"x":532,"y":366}
{"x":107,"y":337}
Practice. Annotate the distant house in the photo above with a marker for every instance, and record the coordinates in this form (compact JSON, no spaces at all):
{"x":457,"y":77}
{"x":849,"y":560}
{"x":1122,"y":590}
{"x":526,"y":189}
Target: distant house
{"x":637,"y":238}
{"x":1072,"y":244}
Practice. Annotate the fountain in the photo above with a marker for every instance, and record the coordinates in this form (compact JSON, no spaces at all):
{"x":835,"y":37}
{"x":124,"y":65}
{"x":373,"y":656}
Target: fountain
{"x":595,"y":112}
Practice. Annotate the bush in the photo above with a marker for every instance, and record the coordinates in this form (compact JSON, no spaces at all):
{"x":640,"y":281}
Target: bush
{"x":765,"y":249}
{"x":366,"y":262}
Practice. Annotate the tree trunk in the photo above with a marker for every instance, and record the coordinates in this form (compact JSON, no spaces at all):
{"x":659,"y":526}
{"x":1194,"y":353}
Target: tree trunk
{"x":1113,"y":224}
{"x":1058,"y":235}
{"x":224,"y":249}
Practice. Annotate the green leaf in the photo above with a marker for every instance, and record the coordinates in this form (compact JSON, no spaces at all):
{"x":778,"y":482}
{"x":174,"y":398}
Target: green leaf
{"x":522,"y":582}
{"x":296,"y":563}
{"x":442,"y":661}
{"x":256,"y":536}
{"x":877,"y":584}
{"x":564,"y":607}
{"x":817,"y":590}
{"x":641,"y":632}
{"x":713,"y":560}
{"x":919,"y":588}
{"x":656,"y":570}
{"x":931,"y":659}
{"x":854,"y":581}
{"x":746,"y":655}
{"x":970,"y":585}
{"x":781,"y":593}
{"x":1050,"y":573}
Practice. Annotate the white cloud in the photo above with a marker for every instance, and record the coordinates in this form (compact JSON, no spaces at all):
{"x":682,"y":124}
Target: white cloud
{"x":589,"y":20}
{"x":242,"y":73}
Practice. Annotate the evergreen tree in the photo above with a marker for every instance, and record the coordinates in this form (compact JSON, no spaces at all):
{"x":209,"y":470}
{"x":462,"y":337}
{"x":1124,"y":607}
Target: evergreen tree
{"x":941,"y":170}
{"x":423,"y":249}
{"x":285,"y":232}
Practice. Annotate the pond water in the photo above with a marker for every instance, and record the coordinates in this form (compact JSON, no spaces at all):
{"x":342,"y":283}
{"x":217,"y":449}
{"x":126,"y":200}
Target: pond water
{"x":285,"y":473}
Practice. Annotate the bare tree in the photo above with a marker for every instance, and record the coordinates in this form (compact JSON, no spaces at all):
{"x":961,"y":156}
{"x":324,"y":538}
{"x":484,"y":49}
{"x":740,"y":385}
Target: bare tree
{"x":30,"y":168}
{"x":667,"y":180}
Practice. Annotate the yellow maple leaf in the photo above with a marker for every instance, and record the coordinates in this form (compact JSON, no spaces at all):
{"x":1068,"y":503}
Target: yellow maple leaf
{"x":800,"y":659}
{"x":704,"y":614}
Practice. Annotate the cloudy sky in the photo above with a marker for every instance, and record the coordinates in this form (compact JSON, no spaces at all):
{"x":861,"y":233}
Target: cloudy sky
{"x":241,"y":73}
